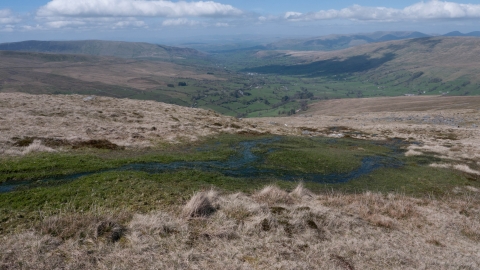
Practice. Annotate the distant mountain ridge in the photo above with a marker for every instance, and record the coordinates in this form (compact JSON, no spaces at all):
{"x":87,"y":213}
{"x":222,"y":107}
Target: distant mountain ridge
{"x":338,"y":42}
{"x":103,"y":48}
{"x":460,"y":34}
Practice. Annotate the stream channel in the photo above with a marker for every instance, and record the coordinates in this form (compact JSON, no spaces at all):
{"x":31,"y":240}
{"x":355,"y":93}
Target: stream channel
{"x":242,"y":165}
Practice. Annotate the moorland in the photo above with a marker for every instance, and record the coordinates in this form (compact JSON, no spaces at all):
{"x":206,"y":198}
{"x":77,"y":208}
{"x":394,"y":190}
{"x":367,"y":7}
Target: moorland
{"x":171,"y":158}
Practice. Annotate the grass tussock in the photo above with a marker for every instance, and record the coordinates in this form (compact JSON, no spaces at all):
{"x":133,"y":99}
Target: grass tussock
{"x":30,"y":145}
{"x":84,"y":226}
{"x":201,"y":204}
{"x":376,"y":208}
{"x":270,"y":229}
{"x":300,"y":192}
{"x":273,"y":195}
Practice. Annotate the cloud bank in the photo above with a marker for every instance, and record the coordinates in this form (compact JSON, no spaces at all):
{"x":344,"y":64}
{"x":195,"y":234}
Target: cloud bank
{"x":92,"y":23}
{"x":180,"y":22}
{"x":130,"y":8}
{"x":7,"y":17}
{"x":94,"y":15}
{"x":432,"y":10}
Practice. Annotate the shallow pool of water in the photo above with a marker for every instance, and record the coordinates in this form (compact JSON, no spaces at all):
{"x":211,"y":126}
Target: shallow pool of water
{"x":242,"y":165}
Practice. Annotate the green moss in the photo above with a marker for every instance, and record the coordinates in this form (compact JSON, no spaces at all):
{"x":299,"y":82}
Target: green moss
{"x":320,"y":155}
{"x":410,"y":180}
{"x":42,"y":165}
{"x":132,"y":191}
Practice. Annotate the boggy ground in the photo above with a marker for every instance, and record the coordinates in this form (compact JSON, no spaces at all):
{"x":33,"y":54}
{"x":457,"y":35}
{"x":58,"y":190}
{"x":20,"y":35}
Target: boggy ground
{"x":448,"y":127}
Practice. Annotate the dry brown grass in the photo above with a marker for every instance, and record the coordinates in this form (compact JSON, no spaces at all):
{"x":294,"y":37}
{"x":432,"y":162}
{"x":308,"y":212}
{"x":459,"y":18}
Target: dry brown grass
{"x":201,"y":204}
{"x":319,"y":231}
{"x":300,"y":192}
{"x":30,"y":123}
{"x":273,"y":195}
{"x":272,"y":228}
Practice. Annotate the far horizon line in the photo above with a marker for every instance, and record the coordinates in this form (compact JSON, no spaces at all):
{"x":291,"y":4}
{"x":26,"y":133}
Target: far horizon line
{"x":218,"y":37}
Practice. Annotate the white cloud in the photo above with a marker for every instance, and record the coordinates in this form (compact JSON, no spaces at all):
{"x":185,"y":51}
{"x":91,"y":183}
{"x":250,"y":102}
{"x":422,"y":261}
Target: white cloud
{"x":63,"y":24}
{"x":292,"y":15}
{"x":7,"y":17}
{"x":420,"y":11}
{"x":91,"y":23}
{"x":187,"y":22}
{"x":140,"y":8}
{"x":180,"y":22}
{"x":442,"y":10}
{"x":32,"y":27}
{"x":130,"y":24}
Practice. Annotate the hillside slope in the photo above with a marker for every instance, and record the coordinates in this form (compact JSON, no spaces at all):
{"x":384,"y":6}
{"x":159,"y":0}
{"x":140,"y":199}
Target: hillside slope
{"x":424,"y":65}
{"x":338,"y":42}
{"x":45,"y":73}
{"x":69,"y":119}
{"x":190,"y":219}
{"x":103,"y":48}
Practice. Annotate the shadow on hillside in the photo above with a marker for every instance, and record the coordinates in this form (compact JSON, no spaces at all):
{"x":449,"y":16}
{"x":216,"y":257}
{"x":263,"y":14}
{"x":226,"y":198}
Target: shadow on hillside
{"x":333,"y":66}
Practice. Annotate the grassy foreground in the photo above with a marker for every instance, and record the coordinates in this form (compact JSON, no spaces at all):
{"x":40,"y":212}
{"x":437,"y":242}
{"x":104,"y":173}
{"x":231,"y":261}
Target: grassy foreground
{"x":196,"y":219}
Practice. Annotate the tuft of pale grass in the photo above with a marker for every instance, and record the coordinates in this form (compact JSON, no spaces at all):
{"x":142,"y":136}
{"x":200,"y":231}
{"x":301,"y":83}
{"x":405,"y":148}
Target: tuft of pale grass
{"x":465,"y":168}
{"x":37,"y":146}
{"x":241,"y":207}
{"x":300,"y":192}
{"x":273,"y":195}
{"x":459,"y":167}
{"x":381,"y":220}
{"x":200,"y":205}
{"x":412,"y":152}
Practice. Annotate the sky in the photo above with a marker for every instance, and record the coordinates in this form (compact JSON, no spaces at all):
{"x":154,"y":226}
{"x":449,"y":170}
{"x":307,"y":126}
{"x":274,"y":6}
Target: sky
{"x":168,"y":21}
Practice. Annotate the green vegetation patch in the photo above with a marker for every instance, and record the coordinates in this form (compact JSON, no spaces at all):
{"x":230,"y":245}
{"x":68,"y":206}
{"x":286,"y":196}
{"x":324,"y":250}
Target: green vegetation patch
{"x":410,"y":180}
{"x":135,"y":191}
{"x":43,"y":165}
{"x":320,"y":155}
{"x":117,"y":191}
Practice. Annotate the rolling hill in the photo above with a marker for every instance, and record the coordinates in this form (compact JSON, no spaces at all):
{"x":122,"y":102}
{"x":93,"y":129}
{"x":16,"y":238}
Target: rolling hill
{"x":460,"y":34}
{"x":338,"y":42}
{"x":259,"y":82}
{"x":48,"y":73}
{"x":424,"y":65}
{"x":104,"y":48}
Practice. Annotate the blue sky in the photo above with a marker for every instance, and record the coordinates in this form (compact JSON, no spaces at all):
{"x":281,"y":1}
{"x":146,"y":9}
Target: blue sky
{"x":169,"y":20}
